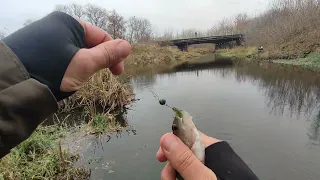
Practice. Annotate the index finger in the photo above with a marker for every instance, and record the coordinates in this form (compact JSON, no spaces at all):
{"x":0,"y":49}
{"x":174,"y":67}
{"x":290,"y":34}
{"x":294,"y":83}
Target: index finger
{"x":94,"y":35}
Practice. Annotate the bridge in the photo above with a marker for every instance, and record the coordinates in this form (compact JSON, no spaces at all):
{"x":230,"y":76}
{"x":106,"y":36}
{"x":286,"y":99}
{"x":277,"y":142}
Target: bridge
{"x":219,"y":41}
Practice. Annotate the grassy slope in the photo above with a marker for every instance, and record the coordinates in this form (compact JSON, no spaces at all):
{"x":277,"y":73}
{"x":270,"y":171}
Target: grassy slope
{"x":41,"y":157}
{"x":240,"y":52}
{"x":151,"y":57}
{"x":309,"y":61}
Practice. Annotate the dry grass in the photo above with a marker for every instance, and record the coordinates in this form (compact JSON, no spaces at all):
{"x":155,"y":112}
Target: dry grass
{"x":103,"y":92}
{"x":240,"y":52}
{"x":202,"y":48}
{"x":289,"y":28}
{"x":147,"y":55}
{"x":152,"y":57}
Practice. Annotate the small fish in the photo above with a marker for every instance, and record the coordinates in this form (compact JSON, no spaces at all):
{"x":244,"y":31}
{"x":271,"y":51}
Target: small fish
{"x":184,"y":128}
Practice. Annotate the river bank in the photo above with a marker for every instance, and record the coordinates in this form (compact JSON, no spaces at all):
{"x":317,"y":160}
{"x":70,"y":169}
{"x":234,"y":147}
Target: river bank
{"x":308,"y":61}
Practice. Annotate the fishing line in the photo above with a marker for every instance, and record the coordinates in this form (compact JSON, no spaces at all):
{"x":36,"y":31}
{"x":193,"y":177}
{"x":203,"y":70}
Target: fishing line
{"x":162,"y":102}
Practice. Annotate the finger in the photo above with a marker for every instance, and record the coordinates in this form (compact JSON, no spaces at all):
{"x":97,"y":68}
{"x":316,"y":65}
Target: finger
{"x":168,"y":173}
{"x":207,"y":141}
{"x":182,"y":159}
{"x":118,"y":68}
{"x":94,"y":35}
{"x":110,"y":53}
{"x":160,"y":156}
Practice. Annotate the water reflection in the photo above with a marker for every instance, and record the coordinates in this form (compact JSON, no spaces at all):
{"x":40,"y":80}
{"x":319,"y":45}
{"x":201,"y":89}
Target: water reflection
{"x":288,"y":90}
{"x":314,"y":130}
{"x":144,"y":80}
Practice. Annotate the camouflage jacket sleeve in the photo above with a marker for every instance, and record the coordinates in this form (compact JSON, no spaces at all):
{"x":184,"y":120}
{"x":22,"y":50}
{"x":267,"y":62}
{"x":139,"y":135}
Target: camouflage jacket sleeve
{"x":24,"y":102}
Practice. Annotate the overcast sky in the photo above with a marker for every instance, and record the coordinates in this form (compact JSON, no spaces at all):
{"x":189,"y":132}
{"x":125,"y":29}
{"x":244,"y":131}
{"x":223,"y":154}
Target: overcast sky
{"x":164,"y":14}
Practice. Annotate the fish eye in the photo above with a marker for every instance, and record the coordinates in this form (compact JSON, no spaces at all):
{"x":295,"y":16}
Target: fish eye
{"x":174,"y":128}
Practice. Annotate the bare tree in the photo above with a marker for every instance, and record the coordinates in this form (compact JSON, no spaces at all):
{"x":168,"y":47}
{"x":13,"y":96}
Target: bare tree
{"x":139,"y":30}
{"x":77,"y":10}
{"x":116,"y":25}
{"x":241,"y":23}
{"x":97,"y":16}
{"x":224,"y":27}
{"x":73,"y":9}
{"x":63,"y":8}
{"x":168,"y":34}
{"x":132,"y":27}
{"x":190,"y":33}
{"x":144,"y":32}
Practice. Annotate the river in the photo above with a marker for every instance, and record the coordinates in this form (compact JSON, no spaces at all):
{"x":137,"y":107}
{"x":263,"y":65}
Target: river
{"x":269,"y":114}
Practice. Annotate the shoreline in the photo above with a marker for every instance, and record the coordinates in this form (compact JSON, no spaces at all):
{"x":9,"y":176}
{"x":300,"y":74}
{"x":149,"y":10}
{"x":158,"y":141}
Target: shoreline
{"x":309,"y":62}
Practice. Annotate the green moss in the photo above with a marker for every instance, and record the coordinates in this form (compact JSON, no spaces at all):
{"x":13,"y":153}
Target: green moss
{"x":103,"y":123}
{"x":311,"y":62}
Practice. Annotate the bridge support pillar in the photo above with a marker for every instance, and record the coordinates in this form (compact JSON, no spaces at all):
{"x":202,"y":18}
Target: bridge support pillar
{"x":183,"y":47}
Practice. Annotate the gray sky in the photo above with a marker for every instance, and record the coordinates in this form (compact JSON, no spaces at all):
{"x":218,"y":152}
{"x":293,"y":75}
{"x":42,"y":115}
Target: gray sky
{"x":164,"y":14}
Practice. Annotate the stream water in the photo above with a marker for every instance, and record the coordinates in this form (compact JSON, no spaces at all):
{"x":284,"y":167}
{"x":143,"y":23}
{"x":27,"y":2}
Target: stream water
{"x":269,"y":114}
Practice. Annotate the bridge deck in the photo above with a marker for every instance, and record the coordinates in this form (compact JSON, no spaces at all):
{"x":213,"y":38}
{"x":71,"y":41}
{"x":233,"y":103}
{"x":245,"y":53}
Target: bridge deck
{"x":201,"y":40}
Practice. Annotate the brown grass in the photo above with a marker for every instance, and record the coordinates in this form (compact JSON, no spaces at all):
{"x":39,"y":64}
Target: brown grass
{"x":104,"y":92}
{"x":152,"y":57}
{"x":289,"y":28}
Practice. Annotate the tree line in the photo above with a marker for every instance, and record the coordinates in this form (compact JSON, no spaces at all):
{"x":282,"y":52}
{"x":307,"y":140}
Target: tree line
{"x":282,"y":21}
{"x":134,"y":29}
{"x":284,"y":25}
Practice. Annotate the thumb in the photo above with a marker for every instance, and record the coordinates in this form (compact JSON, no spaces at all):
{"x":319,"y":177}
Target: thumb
{"x":109,"y":54}
{"x":86,"y":62}
{"x":183,"y":160}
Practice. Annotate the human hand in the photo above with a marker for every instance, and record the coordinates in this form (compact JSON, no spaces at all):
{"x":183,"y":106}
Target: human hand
{"x":105,"y":53}
{"x":63,"y":53}
{"x":182,"y":159}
